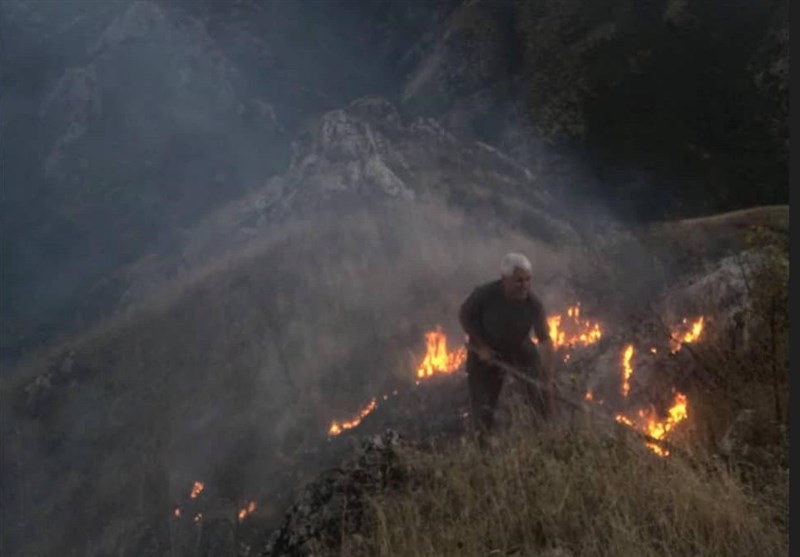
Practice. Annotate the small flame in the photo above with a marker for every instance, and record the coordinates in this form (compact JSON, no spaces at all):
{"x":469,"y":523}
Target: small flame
{"x":627,"y":369}
{"x":588,"y":396}
{"x":686,"y":333}
{"x":648,"y":422}
{"x":247,"y":510}
{"x":337,"y":427}
{"x":438,"y":359}
{"x":572,"y":331}
{"x":197,"y":489}
{"x":177,"y":512}
{"x":623,"y":420}
{"x":653,"y":350}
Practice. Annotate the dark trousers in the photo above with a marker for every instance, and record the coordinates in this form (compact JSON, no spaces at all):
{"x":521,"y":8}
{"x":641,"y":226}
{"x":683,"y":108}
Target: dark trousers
{"x":486,"y":381}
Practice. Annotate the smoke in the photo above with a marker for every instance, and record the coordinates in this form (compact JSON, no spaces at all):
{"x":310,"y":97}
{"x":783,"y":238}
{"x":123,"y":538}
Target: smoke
{"x":149,"y":117}
{"x":126,"y":122}
{"x":234,"y":375}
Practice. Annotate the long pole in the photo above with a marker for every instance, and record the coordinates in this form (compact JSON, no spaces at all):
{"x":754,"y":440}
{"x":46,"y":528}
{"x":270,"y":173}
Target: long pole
{"x":526,"y":378}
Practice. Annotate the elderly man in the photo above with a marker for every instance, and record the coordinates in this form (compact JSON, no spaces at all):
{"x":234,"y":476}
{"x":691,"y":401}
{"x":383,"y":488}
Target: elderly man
{"x":498,"y":317}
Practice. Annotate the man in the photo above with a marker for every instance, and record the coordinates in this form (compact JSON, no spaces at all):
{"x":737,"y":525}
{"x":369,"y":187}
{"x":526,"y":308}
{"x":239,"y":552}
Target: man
{"x":498,"y":318}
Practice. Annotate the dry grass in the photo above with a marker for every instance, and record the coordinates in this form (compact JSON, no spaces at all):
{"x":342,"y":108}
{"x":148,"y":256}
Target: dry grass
{"x":571,"y":492}
{"x":574,"y":491}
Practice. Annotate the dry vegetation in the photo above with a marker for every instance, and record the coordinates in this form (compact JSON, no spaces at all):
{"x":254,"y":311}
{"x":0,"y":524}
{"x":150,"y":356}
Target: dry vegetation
{"x":572,"y":492}
{"x":575,"y":490}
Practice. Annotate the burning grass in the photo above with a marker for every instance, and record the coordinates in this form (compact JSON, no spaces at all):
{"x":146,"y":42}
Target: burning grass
{"x":573,"y":493}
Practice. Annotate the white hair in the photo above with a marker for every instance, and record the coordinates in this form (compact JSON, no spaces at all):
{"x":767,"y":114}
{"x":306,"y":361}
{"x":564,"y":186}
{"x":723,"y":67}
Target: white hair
{"x":513,"y":261}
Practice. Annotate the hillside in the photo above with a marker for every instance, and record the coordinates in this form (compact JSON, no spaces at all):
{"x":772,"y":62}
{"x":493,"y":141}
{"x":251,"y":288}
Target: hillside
{"x":235,"y":237}
{"x":232,"y":371}
{"x":714,"y":481}
{"x":130,"y":122}
{"x":224,"y":381}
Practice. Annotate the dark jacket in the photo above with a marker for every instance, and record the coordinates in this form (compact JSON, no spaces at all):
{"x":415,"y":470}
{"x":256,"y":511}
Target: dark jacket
{"x":502,"y":324}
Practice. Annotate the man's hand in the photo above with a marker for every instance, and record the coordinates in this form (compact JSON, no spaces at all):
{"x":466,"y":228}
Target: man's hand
{"x":483,"y":352}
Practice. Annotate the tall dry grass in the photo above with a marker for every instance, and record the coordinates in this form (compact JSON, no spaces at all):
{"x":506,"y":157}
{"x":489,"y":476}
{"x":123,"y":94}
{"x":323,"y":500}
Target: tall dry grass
{"x":571,"y":492}
{"x":575,"y":490}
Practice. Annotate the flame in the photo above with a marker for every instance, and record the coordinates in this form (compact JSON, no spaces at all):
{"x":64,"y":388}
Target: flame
{"x":337,"y":427}
{"x":437,"y":358}
{"x":197,"y":488}
{"x":648,"y":422}
{"x":177,"y":512}
{"x":623,"y":420}
{"x":247,"y":510}
{"x":627,"y":369}
{"x":588,"y":396}
{"x":572,"y":331}
{"x":686,"y":333}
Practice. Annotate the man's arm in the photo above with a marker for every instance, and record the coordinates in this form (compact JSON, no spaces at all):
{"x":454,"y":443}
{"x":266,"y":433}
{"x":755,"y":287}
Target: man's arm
{"x":546,"y":352}
{"x":469,"y":317}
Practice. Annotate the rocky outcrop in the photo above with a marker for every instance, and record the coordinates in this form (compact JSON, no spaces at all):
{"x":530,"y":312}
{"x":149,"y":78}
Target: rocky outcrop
{"x":369,"y":154}
{"x":332,"y":507}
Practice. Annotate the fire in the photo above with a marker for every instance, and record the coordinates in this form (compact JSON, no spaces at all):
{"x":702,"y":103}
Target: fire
{"x":627,"y":369}
{"x":337,"y":427}
{"x":177,"y":512}
{"x":573,"y":331}
{"x":197,"y":488}
{"x":686,"y":333}
{"x":648,"y":422}
{"x":623,"y":420}
{"x":588,"y":396}
{"x":247,"y":510}
{"x":438,"y":359}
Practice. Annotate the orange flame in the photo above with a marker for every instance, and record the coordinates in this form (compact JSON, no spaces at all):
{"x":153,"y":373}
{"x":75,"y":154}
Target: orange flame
{"x":649,"y":423}
{"x":623,"y":420}
{"x":686,"y":333}
{"x":627,"y":369}
{"x":197,"y":488}
{"x":247,"y":510}
{"x":572,"y":331}
{"x":177,"y":512}
{"x":437,"y":358}
{"x":588,"y":396}
{"x":337,"y":427}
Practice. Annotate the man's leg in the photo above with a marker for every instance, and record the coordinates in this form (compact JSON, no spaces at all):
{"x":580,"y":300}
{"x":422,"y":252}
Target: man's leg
{"x":485,"y":385}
